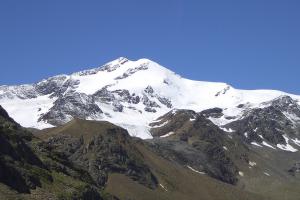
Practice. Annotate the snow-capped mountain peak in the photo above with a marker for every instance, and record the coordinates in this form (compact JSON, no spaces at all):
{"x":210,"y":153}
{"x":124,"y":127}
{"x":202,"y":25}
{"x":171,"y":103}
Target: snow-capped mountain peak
{"x":121,"y":73}
{"x":128,"y":93}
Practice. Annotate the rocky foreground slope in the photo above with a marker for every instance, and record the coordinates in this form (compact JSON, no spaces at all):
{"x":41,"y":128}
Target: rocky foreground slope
{"x":98,"y":160}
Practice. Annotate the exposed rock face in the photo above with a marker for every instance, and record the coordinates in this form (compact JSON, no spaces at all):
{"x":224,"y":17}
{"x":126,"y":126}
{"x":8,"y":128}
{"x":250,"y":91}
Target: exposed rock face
{"x":76,"y":105}
{"x":109,"y":151}
{"x":79,"y":105}
{"x":165,"y":101}
{"x":52,"y":84}
{"x":149,"y":90}
{"x":191,"y":139}
{"x":222,"y":92}
{"x":173,"y":121}
{"x":104,"y":95}
{"x":129,"y":72}
{"x":213,"y":112}
{"x":287,"y":105}
{"x":262,"y":122}
{"x":109,"y":67}
{"x":85,"y":163}
{"x":270,"y":123}
{"x":22,"y":92}
{"x":295,"y":169}
{"x":148,"y":103}
{"x":70,"y":104}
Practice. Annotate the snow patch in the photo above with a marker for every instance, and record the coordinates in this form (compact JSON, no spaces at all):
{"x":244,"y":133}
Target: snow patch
{"x":268,"y":145}
{"x":174,"y":111}
{"x":192,"y":119}
{"x":163,"y":187}
{"x":241,"y":173}
{"x":195,"y":170}
{"x":160,"y":125}
{"x":167,"y":135}
{"x":267,"y":174}
{"x":256,"y":144}
{"x":228,"y":130}
{"x":296,"y":141}
{"x":252,"y":164}
{"x":287,"y":147}
{"x":221,"y":121}
{"x":27,"y":111}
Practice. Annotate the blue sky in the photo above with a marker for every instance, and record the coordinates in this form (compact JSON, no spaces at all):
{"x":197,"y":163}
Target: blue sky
{"x":248,"y":44}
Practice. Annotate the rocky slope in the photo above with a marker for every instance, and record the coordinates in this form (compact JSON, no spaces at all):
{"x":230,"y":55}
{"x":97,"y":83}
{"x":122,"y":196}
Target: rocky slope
{"x":275,"y":124}
{"x":101,"y":148}
{"x":15,"y":154}
{"x":33,"y":169}
{"x":255,"y":161}
{"x":192,"y":140}
{"x":97,"y":160}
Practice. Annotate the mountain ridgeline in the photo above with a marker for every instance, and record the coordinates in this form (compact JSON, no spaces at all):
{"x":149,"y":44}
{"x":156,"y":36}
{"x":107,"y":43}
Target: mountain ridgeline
{"x":136,"y":130}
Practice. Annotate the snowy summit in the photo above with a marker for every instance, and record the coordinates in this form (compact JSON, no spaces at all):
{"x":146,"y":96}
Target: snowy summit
{"x":131,"y":94}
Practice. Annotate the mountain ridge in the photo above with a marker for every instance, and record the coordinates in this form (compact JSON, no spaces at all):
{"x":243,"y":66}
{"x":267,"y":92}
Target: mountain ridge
{"x":127,"y":93}
{"x":91,"y":70}
{"x":92,"y":123}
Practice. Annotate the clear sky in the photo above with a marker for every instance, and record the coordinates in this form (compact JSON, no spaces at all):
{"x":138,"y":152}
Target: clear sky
{"x":248,"y":44}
